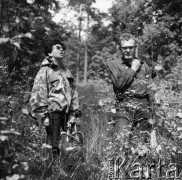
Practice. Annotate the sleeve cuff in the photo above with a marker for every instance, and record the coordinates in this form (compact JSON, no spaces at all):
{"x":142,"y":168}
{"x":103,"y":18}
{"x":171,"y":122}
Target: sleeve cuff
{"x":131,"y":72}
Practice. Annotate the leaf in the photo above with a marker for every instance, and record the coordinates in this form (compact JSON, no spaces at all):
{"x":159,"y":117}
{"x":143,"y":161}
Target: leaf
{"x":17,"y":20}
{"x":15,"y":166}
{"x":11,"y":131}
{"x":46,"y":146}
{"x":14,"y":177}
{"x":34,"y":145}
{"x":24,"y":17}
{"x":28,"y":35}
{"x":159,"y":148}
{"x":40,"y":18}
{"x":179,"y":115}
{"x":157,"y":99}
{"x":47,"y":28}
{"x":101,"y":102}
{"x":25,"y":165}
{"x":146,"y":172}
{"x":6,"y":27}
{"x":133,"y":150}
{"x":158,"y":67}
{"x":25,"y":111}
{"x":30,"y":52}
{"x":180,"y":137}
{"x":70,"y":148}
{"x":153,"y":139}
{"x":113,"y":111}
{"x":17,"y":45}
{"x":3,"y":118}
{"x":179,"y":128}
{"x":13,"y":102}
{"x":3,"y":138}
{"x":15,"y":132}
{"x":152,"y":121}
{"x":3,"y":40}
{"x":30,"y":1}
{"x":33,"y":30}
{"x":174,"y":149}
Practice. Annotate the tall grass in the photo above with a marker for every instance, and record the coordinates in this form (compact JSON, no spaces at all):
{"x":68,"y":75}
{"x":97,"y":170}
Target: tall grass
{"x":82,"y":163}
{"x":94,"y":127}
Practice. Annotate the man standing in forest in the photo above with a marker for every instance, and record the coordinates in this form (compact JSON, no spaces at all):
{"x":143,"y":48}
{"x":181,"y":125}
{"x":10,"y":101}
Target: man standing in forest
{"x":130,"y":77}
{"x":54,"y":95}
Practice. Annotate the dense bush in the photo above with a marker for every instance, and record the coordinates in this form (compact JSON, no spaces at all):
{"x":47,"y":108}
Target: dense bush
{"x":24,"y":38}
{"x":24,"y":154}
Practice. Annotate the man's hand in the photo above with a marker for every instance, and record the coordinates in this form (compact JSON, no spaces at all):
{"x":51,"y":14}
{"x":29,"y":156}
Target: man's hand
{"x":72,"y":119}
{"x":135,"y":65}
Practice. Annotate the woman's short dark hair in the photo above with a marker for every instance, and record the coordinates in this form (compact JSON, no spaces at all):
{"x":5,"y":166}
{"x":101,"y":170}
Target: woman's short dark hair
{"x":51,"y":43}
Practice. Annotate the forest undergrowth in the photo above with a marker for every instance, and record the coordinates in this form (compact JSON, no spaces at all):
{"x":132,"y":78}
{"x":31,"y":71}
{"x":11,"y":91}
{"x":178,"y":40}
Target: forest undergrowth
{"x":104,"y":154}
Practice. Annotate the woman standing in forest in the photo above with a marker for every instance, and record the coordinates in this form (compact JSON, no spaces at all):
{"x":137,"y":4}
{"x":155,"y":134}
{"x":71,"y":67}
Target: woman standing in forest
{"x":54,"y":95}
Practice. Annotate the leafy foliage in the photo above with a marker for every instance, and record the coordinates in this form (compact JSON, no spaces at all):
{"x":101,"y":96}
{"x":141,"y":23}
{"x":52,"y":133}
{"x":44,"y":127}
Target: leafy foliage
{"x":25,"y":36}
{"x":25,"y":39}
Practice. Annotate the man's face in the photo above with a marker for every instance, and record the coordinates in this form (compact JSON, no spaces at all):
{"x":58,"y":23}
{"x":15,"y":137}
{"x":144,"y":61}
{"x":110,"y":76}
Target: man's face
{"x":57,"y":51}
{"x":128,"y":49}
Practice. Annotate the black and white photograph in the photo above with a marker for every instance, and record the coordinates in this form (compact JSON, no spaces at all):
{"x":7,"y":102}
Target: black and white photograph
{"x":90,"y":89}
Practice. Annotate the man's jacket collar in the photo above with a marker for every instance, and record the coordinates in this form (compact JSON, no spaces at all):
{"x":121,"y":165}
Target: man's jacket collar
{"x":120,"y":60}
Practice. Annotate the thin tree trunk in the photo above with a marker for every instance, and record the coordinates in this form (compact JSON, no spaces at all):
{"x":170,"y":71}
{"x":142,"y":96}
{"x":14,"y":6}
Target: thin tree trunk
{"x":1,"y":7}
{"x":79,"y":39}
{"x":86,"y":52}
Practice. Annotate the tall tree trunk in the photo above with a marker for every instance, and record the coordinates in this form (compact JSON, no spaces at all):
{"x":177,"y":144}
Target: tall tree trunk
{"x":86,"y":52}
{"x":79,"y":39}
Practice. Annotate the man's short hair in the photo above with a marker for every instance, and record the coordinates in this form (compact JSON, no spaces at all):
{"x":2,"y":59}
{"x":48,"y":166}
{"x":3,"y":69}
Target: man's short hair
{"x":126,"y":37}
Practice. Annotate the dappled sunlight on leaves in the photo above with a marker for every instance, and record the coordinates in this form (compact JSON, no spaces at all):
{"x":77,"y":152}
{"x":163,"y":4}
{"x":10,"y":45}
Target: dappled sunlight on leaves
{"x":30,"y":1}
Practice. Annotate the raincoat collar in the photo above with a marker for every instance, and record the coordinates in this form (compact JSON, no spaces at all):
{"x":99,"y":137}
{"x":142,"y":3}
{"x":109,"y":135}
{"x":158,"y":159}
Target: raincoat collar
{"x":48,"y":61}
